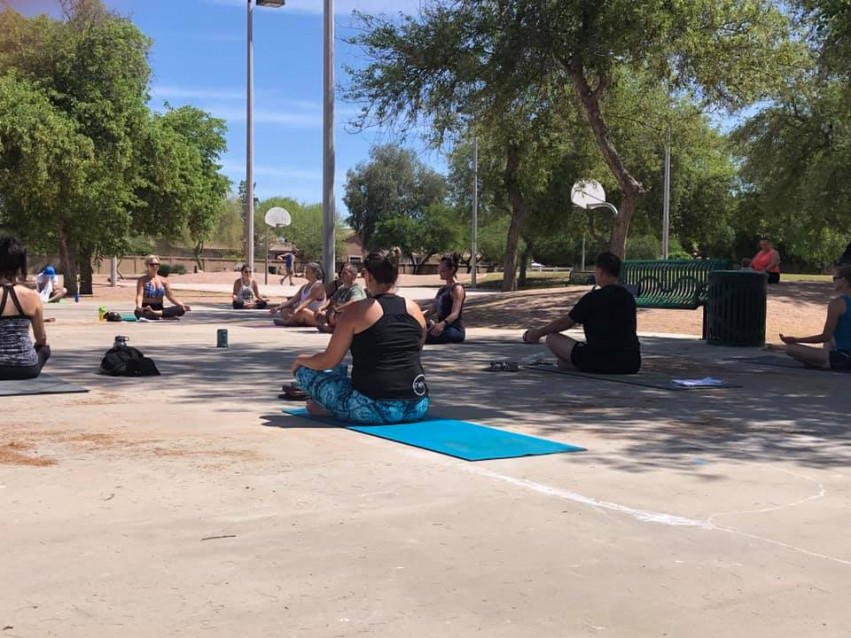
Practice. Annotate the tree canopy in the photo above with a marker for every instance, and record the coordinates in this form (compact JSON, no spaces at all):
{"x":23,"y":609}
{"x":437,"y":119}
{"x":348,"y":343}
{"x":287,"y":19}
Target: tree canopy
{"x":83,"y":161}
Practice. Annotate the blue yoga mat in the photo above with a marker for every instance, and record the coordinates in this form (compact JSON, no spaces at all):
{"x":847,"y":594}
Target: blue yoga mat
{"x":460,"y":439}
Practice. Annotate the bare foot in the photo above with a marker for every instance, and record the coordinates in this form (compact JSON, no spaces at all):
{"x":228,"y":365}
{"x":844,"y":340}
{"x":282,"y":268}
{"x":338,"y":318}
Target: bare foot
{"x":314,"y":409}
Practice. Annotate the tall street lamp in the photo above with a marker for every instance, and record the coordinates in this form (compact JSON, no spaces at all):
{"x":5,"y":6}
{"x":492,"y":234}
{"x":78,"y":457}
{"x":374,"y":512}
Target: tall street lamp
{"x":249,"y":143}
{"x":328,"y":157}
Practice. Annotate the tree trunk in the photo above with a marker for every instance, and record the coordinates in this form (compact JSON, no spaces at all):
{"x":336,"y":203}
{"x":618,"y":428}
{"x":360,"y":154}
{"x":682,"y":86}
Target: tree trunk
{"x":518,"y":217}
{"x":196,"y":253}
{"x":68,"y":263}
{"x":631,"y":188}
{"x":524,"y":262}
{"x":84,"y":260}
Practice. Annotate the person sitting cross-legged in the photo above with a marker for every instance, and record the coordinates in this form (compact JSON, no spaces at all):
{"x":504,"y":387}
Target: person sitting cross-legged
{"x":246,"y":295}
{"x":151,"y":289}
{"x":47,"y":284}
{"x":346,"y":294}
{"x":445,"y":324}
{"x":299,"y":309}
{"x":835,"y":337}
{"x":608,"y":315}
{"x":385,"y":335}
{"x":21,"y":310}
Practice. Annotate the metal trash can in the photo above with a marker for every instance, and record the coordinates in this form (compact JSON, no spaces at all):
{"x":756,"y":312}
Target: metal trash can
{"x":736,"y":308}
{"x":273,"y":270}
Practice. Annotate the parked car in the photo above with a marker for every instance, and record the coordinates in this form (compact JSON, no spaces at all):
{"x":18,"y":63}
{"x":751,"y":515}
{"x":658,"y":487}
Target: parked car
{"x":536,"y":266}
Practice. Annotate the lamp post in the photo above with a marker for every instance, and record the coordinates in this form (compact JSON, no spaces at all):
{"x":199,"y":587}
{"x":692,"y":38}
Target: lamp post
{"x":328,"y":159}
{"x":666,"y":204}
{"x":474,"y":232}
{"x":249,"y":134}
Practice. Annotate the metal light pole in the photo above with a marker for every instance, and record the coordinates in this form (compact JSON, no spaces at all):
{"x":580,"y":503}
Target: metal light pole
{"x":249,"y":134}
{"x":666,"y":204}
{"x":474,"y":235}
{"x":328,"y":161}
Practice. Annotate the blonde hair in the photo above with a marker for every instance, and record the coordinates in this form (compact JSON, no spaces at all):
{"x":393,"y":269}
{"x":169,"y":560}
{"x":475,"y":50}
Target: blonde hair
{"x":151,"y":258}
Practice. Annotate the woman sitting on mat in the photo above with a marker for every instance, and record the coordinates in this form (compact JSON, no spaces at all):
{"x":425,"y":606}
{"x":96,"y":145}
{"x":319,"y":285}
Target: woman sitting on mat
{"x":835,"y":352}
{"x":345,"y":296}
{"x":246,"y":295}
{"x":299,"y":309}
{"x":444,"y":317}
{"x":151,"y":289}
{"x":20,"y":309}
{"x":385,"y":335}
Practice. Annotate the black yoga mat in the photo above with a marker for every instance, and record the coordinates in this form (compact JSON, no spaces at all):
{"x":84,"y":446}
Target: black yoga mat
{"x":42,"y":384}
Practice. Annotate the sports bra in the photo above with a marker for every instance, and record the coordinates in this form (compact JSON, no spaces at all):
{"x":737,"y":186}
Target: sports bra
{"x":152,"y":291}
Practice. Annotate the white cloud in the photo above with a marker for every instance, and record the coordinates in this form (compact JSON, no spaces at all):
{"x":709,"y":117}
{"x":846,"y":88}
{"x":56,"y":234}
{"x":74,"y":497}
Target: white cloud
{"x":238,"y":169}
{"x":270,"y":116}
{"x":165,"y":92}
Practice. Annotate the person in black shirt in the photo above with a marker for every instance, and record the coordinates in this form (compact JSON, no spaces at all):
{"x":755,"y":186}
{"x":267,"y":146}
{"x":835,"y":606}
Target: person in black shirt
{"x":445,"y":324}
{"x":385,"y":335}
{"x":608,"y":315}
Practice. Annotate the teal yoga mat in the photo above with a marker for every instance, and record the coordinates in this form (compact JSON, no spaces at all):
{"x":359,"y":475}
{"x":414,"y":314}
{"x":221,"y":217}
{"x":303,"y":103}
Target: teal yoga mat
{"x":460,"y":439}
{"x":42,"y":384}
{"x":647,"y":379}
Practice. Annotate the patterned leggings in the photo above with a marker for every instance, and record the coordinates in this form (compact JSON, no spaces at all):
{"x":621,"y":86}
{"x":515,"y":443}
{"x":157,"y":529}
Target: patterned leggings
{"x":332,"y":389}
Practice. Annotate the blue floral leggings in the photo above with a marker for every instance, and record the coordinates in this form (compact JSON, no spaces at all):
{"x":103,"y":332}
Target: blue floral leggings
{"x":332,"y":389}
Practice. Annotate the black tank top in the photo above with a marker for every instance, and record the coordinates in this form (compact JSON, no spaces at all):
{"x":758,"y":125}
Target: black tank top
{"x":386,"y":356}
{"x":443,"y":303}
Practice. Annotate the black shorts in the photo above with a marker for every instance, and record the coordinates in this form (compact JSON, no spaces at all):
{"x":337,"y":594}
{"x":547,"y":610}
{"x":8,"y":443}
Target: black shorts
{"x":592,"y":360}
{"x":773,"y":277}
{"x":840,"y":360}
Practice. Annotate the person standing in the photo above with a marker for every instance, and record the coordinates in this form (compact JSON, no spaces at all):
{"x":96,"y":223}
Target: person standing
{"x":767,"y":260}
{"x":289,"y":263}
{"x":20,"y":310}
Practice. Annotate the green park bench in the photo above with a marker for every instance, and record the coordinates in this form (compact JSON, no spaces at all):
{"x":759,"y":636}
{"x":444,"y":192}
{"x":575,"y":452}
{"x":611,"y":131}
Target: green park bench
{"x":675,"y":284}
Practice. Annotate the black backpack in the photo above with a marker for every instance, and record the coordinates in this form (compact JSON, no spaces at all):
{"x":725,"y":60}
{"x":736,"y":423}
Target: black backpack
{"x":127,"y":361}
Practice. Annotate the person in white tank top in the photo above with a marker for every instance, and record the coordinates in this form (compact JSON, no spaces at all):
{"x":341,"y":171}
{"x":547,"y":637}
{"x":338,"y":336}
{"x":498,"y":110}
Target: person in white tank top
{"x":246,"y":294}
{"x":300,"y":309}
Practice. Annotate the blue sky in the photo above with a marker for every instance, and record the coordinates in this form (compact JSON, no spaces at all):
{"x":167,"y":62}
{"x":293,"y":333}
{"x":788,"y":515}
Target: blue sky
{"x":198,"y":58}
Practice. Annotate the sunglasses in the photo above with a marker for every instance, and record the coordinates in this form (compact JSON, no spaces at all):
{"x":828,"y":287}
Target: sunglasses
{"x":155,"y":263}
{"x":247,"y":272}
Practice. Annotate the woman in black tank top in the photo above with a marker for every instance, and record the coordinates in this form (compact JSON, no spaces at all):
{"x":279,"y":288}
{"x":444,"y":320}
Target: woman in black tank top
{"x":385,"y":335}
{"x":445,"y":323}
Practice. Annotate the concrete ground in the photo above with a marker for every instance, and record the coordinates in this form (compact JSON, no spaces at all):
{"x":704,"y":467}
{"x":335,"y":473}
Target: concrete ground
{"x":189,"y":505}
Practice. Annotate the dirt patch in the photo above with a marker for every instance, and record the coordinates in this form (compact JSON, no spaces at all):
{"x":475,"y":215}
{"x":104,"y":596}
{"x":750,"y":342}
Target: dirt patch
{"x":796,"y":308}
{"x":16,"y":453}
{"x":15,"y":445}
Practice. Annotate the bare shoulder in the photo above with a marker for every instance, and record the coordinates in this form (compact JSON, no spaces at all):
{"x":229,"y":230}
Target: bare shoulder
{"x":837,"y":305}
{"x":414,"y":309}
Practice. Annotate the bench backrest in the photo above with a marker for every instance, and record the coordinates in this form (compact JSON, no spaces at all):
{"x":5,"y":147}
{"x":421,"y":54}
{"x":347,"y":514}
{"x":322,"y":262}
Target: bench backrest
{"x":674,"y":281}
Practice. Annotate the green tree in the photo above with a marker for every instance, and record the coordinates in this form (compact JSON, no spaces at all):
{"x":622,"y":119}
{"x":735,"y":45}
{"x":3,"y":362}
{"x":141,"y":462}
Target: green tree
{"x":389,"y":196}
{"x":510,"y":61}
{"x":124,"y":170}
{"x":305,"y":231}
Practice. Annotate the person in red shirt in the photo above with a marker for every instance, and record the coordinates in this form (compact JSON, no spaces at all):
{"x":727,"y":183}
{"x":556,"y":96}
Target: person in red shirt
{"x":767,"y":260}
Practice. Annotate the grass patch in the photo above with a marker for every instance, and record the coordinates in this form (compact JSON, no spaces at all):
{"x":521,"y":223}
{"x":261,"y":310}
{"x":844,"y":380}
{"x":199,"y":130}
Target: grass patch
{"x":493,"y":280}
{"x":803,"y":277}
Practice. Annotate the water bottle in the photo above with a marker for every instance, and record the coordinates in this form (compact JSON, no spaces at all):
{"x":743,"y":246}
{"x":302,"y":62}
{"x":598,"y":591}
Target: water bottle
{"x":222,"y":338}
{"x":533,"y":359}
{"x":102,"y":313}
